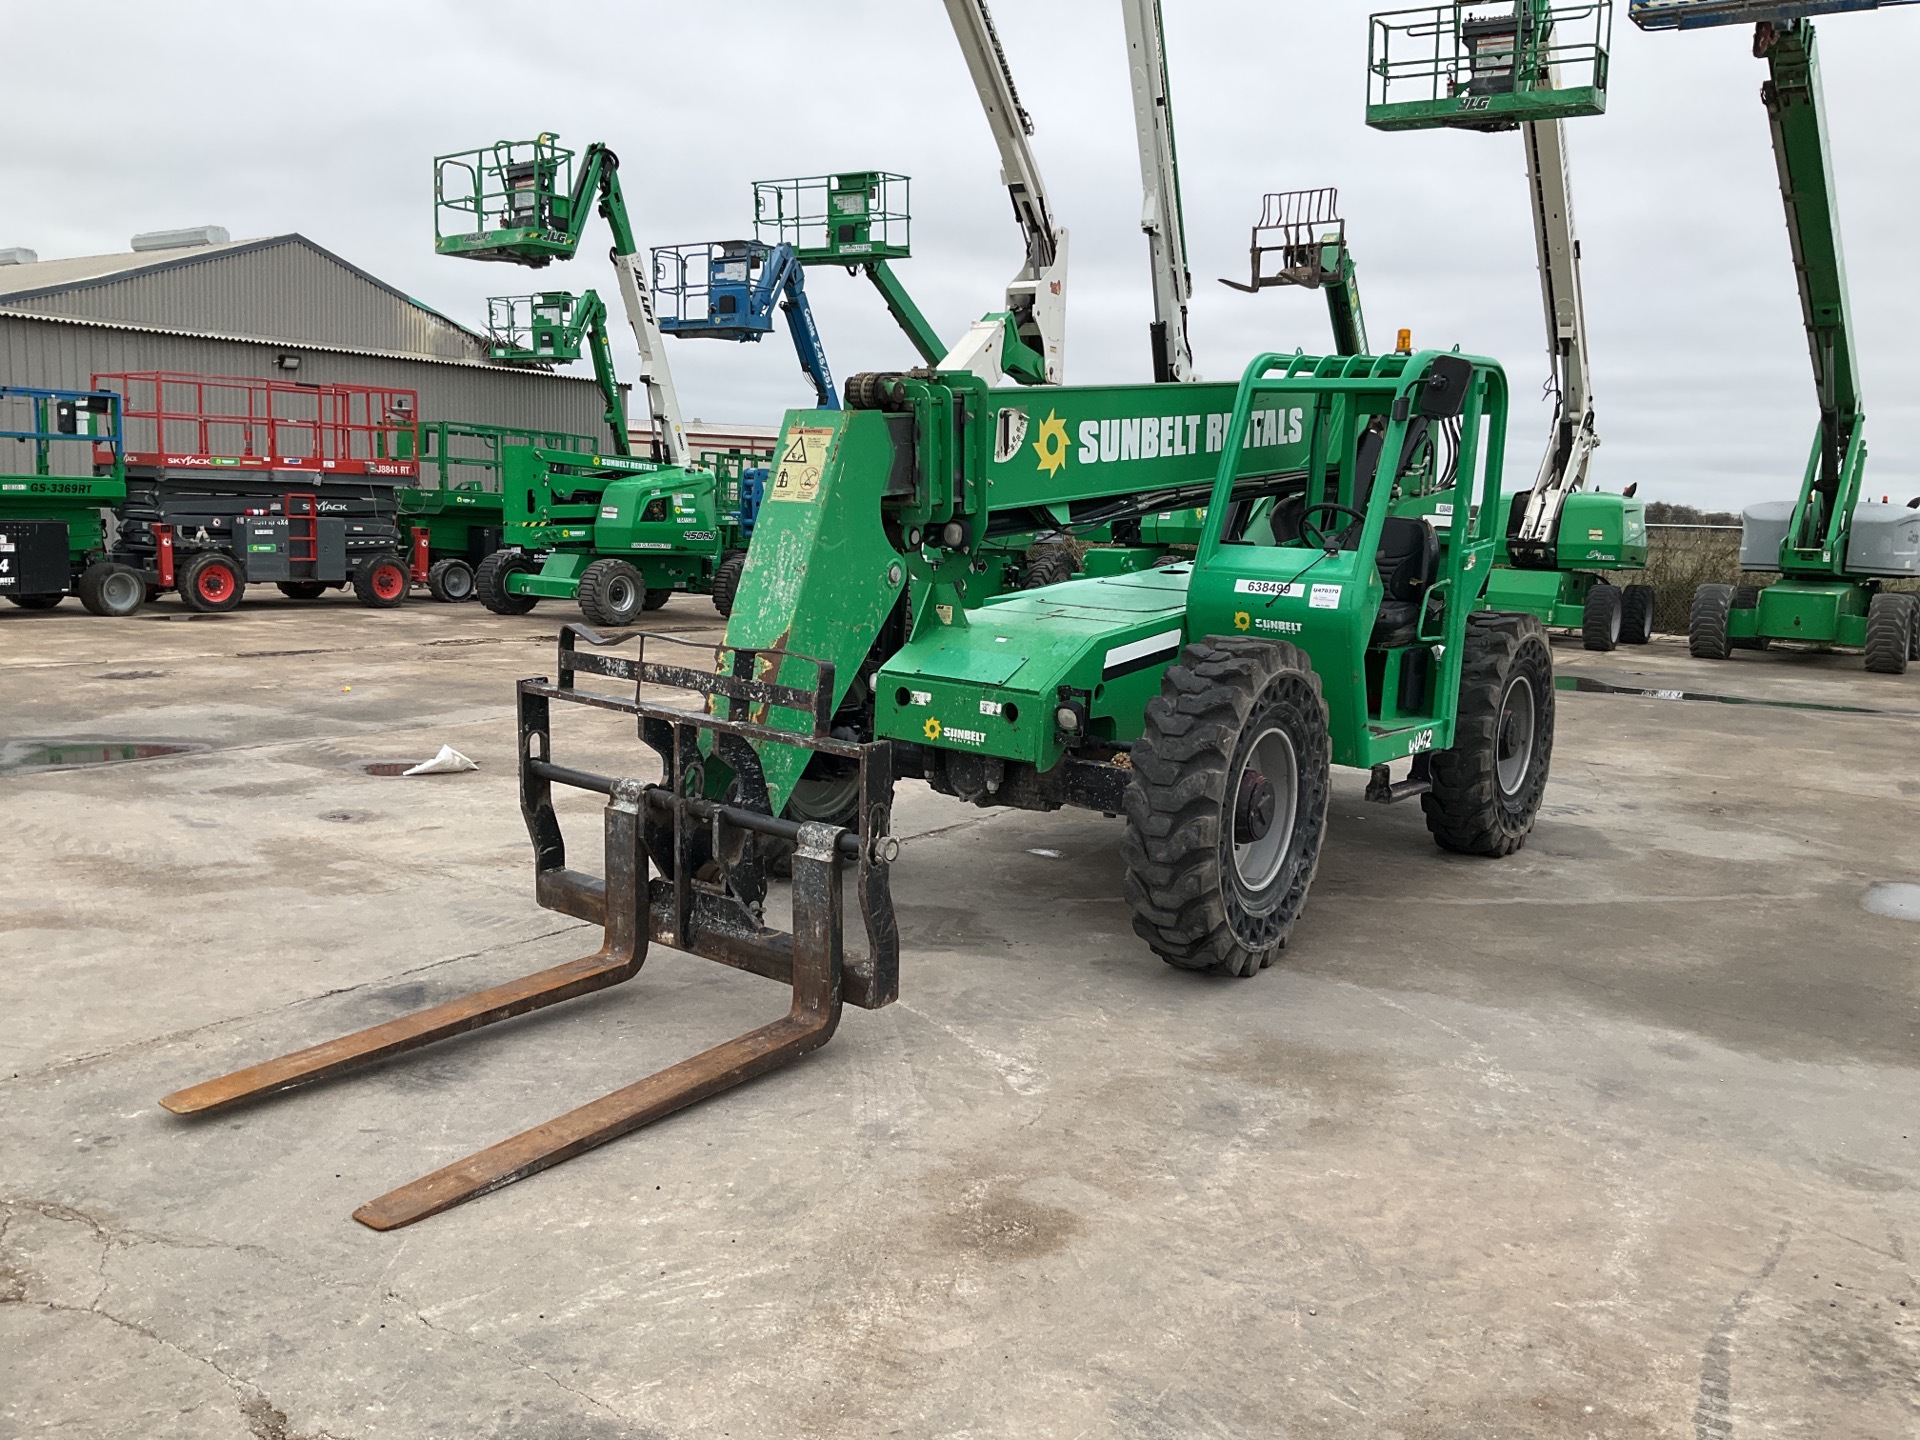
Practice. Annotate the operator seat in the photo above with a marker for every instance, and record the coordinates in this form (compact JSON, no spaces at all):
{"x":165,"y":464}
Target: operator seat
{"x":1408,"y":560}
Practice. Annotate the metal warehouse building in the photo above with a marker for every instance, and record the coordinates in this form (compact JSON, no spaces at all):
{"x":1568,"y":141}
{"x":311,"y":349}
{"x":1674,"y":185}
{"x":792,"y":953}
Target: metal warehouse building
{"x":280,"y":308}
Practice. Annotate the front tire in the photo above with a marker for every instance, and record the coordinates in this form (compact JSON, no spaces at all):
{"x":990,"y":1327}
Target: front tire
{"x":1707,"y":622}
{"x":726,"y":581}
{"x":1636,"y":614}
{"x":490,"y":582}
{"x":1600,"y":618}
{"x":656,"y":598}
{"x":1228,"y":805}
{"x":381,"y":583}
{"x":1487,"y":786}
{"x":611,"y":593}
{"x":211,"y":583}
{"x":450,"y":581}
{"x":110,"y":589}
{"x":1889,"y":633}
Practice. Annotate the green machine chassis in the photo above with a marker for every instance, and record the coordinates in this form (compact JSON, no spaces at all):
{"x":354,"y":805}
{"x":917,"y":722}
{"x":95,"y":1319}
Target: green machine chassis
{"x":1206,"y":699}
{"x":78,"y":503}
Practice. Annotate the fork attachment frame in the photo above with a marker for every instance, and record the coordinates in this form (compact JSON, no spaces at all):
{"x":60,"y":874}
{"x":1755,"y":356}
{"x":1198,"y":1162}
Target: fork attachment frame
{"x":681,"y":868}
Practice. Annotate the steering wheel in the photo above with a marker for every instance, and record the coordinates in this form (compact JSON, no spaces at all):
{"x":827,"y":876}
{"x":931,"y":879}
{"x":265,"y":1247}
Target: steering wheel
{"x":1314,"y":535}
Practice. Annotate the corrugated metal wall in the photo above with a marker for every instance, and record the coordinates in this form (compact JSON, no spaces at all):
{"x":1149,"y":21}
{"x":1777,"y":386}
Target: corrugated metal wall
{"x":53,"y":353}
{"x":285,"y":291}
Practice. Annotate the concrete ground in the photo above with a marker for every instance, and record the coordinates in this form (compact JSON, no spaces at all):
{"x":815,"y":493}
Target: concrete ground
{"x":1615,"y":1138}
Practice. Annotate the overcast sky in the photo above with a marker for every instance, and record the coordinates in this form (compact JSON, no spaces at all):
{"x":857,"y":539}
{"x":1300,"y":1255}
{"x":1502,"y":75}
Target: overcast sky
{"x":325,"y":120}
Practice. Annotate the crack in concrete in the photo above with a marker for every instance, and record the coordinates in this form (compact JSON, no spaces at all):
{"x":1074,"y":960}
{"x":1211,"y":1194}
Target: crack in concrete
{"x":1713,"y":1415}
{"x":506,"y":1355}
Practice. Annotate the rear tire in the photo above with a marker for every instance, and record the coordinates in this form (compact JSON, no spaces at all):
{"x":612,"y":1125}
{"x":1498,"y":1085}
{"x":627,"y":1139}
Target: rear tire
{"x":1228,"y":805}
{"x":1707,"y":622}
{"x":1049,"y":568}
{"x":1636,"y":614}
{"x":450,"y":581}
{"x":381,"y":583}
{"x":1747,"y":597}
{"x":1487,"y":786}
{"x":302,"y":589}
{"x":1601,"y":619}
{"x":611,"y":593}
{"x":1889,"y":633}
{"x":656,"y":598}
{"x":211,"y":583}
{"x":726,"y":581}
{"x":36,"y":602}
{"x":490,"y":582}
{"x":1913,"y":629}
{"x":110,"y":589}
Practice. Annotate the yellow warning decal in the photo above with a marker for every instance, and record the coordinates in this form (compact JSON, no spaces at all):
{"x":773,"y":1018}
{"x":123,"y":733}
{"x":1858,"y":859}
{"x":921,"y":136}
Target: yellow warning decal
{"x":801,"y":461}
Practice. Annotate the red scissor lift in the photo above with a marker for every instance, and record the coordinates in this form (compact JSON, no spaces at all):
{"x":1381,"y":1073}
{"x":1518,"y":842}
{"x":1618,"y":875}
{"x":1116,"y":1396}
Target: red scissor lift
{"x":232,"y":480}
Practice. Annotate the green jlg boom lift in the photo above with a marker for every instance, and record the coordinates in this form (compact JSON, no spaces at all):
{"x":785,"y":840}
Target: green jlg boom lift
{"x":1833,"y":550}
{"x":1530,"y":64}
{"x":615,"y":532}
{"x":1206,"y":701}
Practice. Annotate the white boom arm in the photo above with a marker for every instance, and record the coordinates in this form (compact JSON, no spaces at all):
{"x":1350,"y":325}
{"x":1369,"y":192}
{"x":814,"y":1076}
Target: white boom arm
{"x":656,"y":377}
{"x":1160,"y":214}
{"x":1563,"y":469}
{"x":1037,"y":296}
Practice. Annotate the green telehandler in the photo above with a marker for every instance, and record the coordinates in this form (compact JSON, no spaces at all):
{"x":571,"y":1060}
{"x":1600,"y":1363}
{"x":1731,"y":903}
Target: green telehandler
{"x":1834,"y":551}
{"x":1323,"y":619}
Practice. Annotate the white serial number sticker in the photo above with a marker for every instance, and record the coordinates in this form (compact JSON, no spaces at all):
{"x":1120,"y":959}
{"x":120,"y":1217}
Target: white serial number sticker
{"x":1324,"y":597}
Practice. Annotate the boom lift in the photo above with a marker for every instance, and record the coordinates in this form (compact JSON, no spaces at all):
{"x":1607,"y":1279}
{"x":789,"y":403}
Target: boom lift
{"x":616,"y":533}
{"x":1530,"y":64}
{"x":53,"y":516}
{"x":1027,"y":340}
{"x":1323,"y":620}
{"x":728,"y":289}
{"x":1832,"y":549}
{"x":1161,"y":215}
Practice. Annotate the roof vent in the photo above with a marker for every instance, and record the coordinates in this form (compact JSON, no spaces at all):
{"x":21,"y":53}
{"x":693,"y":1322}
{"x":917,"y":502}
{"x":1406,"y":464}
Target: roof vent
{"x":182,"y":239}
{"x":19,"y":255}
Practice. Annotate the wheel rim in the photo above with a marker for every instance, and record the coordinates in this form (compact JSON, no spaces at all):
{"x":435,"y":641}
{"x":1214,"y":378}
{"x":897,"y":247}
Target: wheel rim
{"x":1513,"y":735}
{"x":388,"y":581}
{"x":457,"y":582}
{"x":1613,"y":630}
{"x":1265,"y":798}
{"x":622,"y":595}
{"x":122,"y":590}
{"x":215,"y":583}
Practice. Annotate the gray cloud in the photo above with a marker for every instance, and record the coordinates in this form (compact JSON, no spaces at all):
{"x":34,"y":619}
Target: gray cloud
{"x":326,"y":123}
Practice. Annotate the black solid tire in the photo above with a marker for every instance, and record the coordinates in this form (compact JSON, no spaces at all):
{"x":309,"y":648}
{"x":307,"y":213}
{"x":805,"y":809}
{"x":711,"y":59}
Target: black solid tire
{"x":381,"y":582}
{"x":1601,"y":618}
{"x":450,"y":581}
{"x":201,"y":590}
{"x":1707,"y":622}
{"x":490,"y":582}
{"x":611,"y":593}
{"x":1476,"y":807}
{"x":110,"y":589}
{"x":1636,"y":614}
{"x":1889,"y":633}
{"x":656,"y":598}
{"x":1049,"y":568}
{"x":1747,"y":597}
{"x":301,"y":589}
{"x":726,"y":581}
{"x":36,"y":602}
{"x":1217,"y":705}
{"x":1913,"y":630}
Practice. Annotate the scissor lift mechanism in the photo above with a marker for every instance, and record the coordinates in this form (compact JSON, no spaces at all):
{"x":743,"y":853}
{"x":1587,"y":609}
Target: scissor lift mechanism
{"x":658,"y":837}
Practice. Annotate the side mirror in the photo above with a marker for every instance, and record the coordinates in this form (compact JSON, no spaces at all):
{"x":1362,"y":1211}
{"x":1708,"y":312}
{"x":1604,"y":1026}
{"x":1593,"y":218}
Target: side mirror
{"x":1443,"y":395}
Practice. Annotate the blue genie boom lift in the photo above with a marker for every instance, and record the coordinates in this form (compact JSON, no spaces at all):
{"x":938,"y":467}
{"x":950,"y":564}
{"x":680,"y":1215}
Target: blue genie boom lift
{"x":729,"y":289}
{"x":1832,"y":550}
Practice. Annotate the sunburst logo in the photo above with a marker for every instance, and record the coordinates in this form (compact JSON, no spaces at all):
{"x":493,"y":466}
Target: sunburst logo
{"x":1241,"y":620}
{"x":931,"y":729}
{"x":1051,"y":447}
